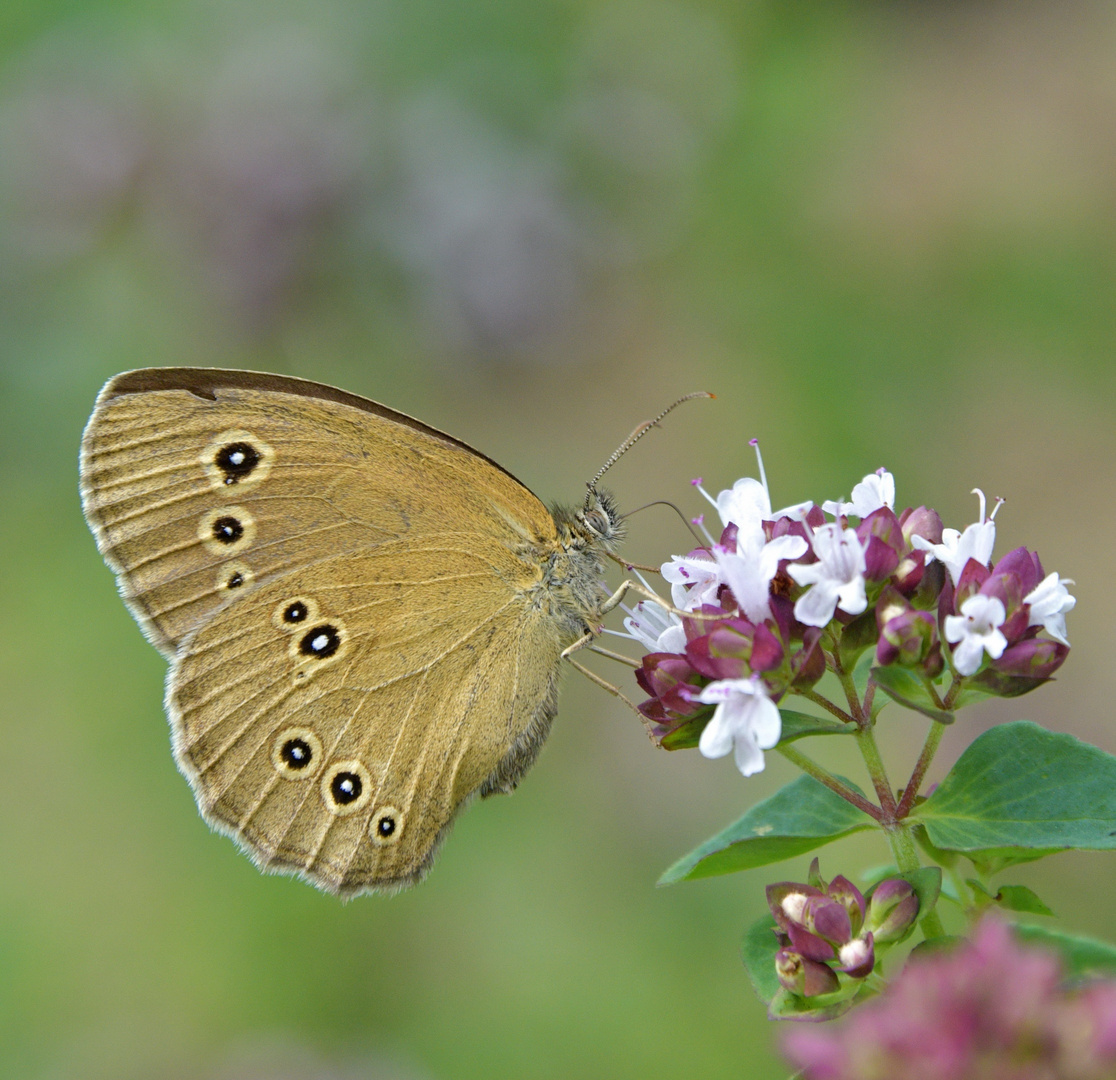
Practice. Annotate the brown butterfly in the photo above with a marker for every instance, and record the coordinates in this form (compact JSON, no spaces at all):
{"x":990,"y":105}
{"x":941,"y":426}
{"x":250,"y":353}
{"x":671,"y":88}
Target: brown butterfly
{"x":365,"y":617}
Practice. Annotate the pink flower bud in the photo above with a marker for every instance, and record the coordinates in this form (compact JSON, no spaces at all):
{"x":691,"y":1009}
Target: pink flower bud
{"x":670,"y":678}
{"x":858,"y":957}
{"x":803,"y":976}
{"x":850,"y":898}
{"x":828,"y":919}
{"x":892,"y":909}
{"x":883,"y":541}
{"x":921,"y":522}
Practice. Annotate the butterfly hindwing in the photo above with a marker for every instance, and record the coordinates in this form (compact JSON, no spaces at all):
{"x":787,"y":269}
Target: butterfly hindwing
{"x":420,"y":705}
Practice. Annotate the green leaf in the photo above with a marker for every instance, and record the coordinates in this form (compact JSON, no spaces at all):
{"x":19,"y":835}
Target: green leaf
{"x":758,"y":949}
{"x":1020,"y":792}
{"x":686,"y":734}
{"x":788,"y":1006}
{"x":862,"y":673}
{"x":855,"y":638}
{"x":1082,"y":955}
{"x":797,"y":725}
{"x":798,"y":818}
{"x":904,"y":686}
{"x":992,"y":860}
{"x":927,"y":884}
{"x":970,"y":695}
{"x":1011,"y":897}
{"x":1020,"y":898}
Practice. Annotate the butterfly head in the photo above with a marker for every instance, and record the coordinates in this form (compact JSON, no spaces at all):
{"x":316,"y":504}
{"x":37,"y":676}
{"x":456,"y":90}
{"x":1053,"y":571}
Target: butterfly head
{"x":599,"y":520}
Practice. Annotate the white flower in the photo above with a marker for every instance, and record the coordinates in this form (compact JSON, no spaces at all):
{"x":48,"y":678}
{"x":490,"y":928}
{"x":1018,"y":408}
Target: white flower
{"x":656,"y":628}
{"x":747,"y":505}
{"x":1050,"y":600}
{"x":837,"y":578}
{"x":694,"y":580}
{"x":748,"y":571}
{"x":745,"y":719}
{"x":876,"y":490}
{"x":956,"y":549}
{"x":976,"y":631}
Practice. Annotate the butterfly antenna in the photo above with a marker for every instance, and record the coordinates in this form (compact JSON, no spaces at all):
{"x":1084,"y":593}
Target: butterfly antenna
{"x":685,"y":520}
{"x":635,"y":436}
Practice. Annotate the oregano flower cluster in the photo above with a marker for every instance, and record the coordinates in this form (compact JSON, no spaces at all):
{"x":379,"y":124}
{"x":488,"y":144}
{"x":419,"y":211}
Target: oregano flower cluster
{"x":780,"y":596}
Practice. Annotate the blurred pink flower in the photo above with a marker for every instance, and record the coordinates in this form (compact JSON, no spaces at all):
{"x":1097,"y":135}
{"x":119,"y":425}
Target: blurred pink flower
{"x":992,"y":1009}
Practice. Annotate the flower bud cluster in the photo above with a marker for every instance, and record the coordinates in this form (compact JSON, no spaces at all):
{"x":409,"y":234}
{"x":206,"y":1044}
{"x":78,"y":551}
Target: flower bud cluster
{"x":826,"y":929}
{"x":760,"y":611}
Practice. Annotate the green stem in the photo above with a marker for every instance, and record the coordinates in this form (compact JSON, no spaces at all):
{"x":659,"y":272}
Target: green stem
{"x":849,"y":687}
{"x":866,"y":740}
{"x":829,"y":706}
{"x":906,"y":859}
{"x":903,"y":848}
{"x":823,"y":776}
{"x":929,"y":749}
{"x":951,"y":694}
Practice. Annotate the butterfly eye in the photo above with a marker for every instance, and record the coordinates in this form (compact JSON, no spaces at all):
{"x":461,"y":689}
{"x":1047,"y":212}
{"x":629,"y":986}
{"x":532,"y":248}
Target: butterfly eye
{"x":296,"y":753}
{"x":314,"y":648}
{"x":229,"y":529}
{"x":320,"y":642}
{"x":346,"y":787}
{"x":294,"y":613}
{"x":386,"y":826}
{"x":237,"y":458}
{"x":234,"y":576}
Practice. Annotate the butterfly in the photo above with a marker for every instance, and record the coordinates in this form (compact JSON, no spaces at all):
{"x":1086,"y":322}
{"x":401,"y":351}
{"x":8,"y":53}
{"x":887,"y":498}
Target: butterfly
{"x":365,"y":617}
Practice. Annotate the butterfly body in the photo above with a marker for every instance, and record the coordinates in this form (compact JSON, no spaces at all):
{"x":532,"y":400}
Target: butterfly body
{"x":365,"y":617}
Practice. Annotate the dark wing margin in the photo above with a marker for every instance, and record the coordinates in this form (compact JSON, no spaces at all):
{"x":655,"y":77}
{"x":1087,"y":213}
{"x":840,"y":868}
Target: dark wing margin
{"x":206,"y":382}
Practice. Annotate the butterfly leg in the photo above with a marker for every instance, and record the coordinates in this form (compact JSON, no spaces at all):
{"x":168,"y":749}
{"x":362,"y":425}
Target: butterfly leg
{"x":581,"y":643}
{"x":648,"y":594}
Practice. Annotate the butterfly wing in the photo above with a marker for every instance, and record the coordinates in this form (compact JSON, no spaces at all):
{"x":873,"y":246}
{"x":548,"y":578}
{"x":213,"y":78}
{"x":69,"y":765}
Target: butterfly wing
{"x":347,"y":594}
{"x":198,"y":483}
{"x":432,"y":681}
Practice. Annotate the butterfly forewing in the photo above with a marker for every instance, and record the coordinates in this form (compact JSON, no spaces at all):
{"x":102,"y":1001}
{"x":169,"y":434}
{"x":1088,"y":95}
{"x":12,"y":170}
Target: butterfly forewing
{"x":199,"y":490}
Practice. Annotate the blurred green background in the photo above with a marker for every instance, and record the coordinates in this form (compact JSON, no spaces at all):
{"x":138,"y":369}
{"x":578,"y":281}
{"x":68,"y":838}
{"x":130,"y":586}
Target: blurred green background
{"x":882,"y":234}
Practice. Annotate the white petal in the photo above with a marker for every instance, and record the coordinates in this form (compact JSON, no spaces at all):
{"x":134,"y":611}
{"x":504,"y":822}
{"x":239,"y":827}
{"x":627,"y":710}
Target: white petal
{"x":851,"y":598}
{"x":955,"y":628}
{"x":745,"y":505}
{"x":748,"y":584}
{"x":673,"y":639}
{"x":994,"y":644}
{"x":716,"y":739}
{"x":806,"y":573}
{"x":765,"y":722}
{"x":968,"y":655}
{"x":786,"y":547}
{"x":876,"y":490}
{"x":797,"y":512}
{"x":816,"y":607}
{"x":641,"y":634}
{"x":749,"y":757}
